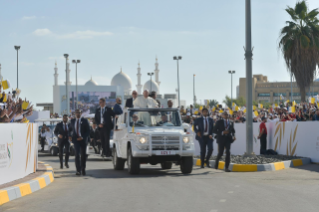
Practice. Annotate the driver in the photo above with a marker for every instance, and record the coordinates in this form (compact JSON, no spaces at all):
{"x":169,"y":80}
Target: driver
{"x":164,"y":120}
{"x":135,"y":121}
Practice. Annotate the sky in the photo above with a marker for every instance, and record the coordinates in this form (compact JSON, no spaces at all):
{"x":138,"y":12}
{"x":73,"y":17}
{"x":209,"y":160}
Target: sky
{"x":107,"y":35}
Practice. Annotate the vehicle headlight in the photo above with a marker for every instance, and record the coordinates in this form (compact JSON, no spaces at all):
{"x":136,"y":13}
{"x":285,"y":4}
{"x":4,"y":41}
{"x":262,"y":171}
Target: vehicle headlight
{"x":142,"y":140}
{"x":185,"y":140}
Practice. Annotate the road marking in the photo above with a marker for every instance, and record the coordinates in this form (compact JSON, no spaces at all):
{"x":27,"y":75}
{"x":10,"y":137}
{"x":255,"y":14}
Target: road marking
{"x":230,"y":192}
{"x":222,"y":200}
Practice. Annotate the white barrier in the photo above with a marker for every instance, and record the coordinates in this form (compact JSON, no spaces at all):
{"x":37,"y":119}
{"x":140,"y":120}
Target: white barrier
{"x":287,"y":138}
{"x":18,"y":151}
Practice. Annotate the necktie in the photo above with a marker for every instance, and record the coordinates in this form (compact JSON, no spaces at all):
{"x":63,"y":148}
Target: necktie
{"x":65,"y":129}
{"x":77,"y":127}
{"x":206,"y":124}
{"x":226,"y":124}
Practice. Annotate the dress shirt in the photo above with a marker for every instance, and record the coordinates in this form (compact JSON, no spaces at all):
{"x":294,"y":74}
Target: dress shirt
{"x":103,"y":109}
{"x":76,"y":121}
{"x":205,"y":119}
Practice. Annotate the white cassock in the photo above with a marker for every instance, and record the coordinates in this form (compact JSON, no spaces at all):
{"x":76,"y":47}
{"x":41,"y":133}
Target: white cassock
{"x":142,"y":102}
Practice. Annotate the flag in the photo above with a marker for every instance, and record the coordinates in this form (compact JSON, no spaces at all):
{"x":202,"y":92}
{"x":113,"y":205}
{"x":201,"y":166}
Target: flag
{"x":236,"y":108}
{"x":201,"y":108}
{"x":220,"y":111}
{"x":261,"y":106}
{"x":214,"y":108}
{"x":281,"y":97}
{"x":276,"y":105}
{"x":5,"y":84}
{"x":293,"y":109}
{"x":230,"y":111}
{"x":294,"y":103}
{"x":234,"y":104}
{"x":256,"y":113}
{"x":25,"y":105}
{"x":313,"y":100}
{"x":244,"y":111}
{"x":254,"y":107}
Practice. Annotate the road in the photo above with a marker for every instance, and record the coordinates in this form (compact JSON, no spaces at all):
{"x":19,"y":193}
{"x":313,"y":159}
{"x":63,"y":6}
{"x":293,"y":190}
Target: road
{"x":207,"y":190}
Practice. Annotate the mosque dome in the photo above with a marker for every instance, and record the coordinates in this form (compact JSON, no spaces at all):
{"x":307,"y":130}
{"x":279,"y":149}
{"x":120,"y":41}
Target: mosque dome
{"x":91,"y":82}
{"x":123,"y":80}
{"x":151,"y":86}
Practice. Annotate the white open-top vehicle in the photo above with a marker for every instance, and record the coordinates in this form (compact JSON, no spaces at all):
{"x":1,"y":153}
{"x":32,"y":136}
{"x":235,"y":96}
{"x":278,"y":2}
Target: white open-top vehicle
{"x":154,"y":136}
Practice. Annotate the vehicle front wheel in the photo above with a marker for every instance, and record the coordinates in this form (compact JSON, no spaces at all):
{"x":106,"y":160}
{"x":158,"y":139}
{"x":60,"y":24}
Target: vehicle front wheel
{"x":54,"y":151}
{"x":118,"y":163}
{"x":166,"y":165}
{"x":187,"y":165}
{"x":133,"y":164}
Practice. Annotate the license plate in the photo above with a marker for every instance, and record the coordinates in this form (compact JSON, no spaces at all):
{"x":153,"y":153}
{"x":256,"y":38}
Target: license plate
{"x":164,"y":152}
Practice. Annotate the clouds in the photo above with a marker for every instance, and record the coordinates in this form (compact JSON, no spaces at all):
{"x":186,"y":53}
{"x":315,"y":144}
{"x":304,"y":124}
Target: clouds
{"x":26,"y":18}
{"x":88,"y":34}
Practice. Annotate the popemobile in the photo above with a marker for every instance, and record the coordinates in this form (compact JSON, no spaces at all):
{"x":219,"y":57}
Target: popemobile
{"x":152,"y":136}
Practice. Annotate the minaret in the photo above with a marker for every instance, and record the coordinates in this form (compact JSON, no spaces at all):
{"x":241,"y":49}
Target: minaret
{"x":157,"y":73}
{"x":56,"y":75}
{"x":68,"y":72}
{"x":139,"y":85}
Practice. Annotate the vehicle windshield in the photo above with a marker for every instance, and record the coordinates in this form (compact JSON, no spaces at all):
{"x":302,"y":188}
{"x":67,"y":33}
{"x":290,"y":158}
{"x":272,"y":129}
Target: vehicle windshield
{"x":154,"y":118}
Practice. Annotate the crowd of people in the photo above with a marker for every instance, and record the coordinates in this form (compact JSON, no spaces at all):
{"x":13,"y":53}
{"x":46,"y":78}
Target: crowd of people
{"x":12,"y":107}
{"x":284,"y":112}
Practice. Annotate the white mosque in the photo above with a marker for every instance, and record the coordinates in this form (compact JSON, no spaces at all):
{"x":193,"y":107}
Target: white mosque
{"x":90,"y":92}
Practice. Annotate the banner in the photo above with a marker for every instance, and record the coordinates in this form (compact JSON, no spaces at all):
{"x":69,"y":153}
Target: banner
{"x":287,"y":138}
{"x":18,"y":151}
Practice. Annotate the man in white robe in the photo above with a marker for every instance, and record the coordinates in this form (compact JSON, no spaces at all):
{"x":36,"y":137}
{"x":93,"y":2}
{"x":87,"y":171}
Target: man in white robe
{"x":145,"y":101}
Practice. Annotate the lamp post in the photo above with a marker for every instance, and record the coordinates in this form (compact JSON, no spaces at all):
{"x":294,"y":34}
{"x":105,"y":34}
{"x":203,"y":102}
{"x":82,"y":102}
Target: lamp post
{"x":150,"y":74}
{"x":66,"y":84}
{"x":17,"y":48}
{"x":231,"y":72}
{"x":291,"y":88}
{"x":177,"y":58}
{"x":76,"y":81}
{"x":248,"y":58}
{"x":194,"y":100}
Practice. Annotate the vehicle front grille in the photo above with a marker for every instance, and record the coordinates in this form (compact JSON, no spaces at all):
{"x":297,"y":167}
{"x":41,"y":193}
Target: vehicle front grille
{"x":163,"y":142}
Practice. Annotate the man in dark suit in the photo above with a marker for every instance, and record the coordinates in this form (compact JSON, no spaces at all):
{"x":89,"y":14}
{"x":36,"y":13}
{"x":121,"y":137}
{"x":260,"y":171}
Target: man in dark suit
{"x":135,"y":122}
{"x":80,"y":135}
{"x":62,"y":132}
{"x":104,"y":117}
{"x":129,"y":102}
{"x":225,"y":137}
{"x":203,"y":127}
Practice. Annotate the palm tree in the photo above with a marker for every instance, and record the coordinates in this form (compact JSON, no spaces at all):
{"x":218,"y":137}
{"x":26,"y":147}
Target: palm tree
{"x":299,"y":44}
{"x":213,"y":103}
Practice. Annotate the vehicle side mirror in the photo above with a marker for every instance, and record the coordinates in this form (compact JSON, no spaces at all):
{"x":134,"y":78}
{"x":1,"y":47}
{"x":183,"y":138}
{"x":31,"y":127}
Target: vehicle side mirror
{"x":121,"y":126}
{"x":185,"y":126}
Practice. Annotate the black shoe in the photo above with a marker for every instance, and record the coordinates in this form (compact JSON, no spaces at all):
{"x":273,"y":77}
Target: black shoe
{"x":227,"y":170}
{"x":83,"y":172}
{"x":67,"y":165}
{"x":78,"y":173}
{"x":61,"y":166}
{"x":208,"y":165}
{"x":202,"y":166}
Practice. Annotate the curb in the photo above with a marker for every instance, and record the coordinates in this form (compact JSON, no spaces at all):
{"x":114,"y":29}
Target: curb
{"x":257,"y":167}
{"x":23,"y":189}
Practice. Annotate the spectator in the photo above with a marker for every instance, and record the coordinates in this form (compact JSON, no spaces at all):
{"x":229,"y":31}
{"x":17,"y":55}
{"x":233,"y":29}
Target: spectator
{"x":263,"y":136}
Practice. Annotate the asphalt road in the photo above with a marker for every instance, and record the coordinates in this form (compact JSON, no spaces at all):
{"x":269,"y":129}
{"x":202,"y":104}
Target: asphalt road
{"x":209,"y":190}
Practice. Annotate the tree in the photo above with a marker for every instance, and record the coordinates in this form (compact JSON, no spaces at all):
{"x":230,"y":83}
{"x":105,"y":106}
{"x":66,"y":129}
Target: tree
{"x":239,"y":101}
{"x":299,"y":44}
{"x":213,"y":103}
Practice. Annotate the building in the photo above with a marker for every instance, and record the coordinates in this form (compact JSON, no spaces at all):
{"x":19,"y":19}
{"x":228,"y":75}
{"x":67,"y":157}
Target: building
{"x":266,"y":91}
{"x":89,"y":94}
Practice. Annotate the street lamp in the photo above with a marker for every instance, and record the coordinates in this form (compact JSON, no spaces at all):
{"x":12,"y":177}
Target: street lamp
{"x":177,"y":58}
{"x":194,"y":100}
{"x":249,"y":87}
{"x":66,"y":84}
{"x":17,"y":48}
{"x":231,"y":72}
{"x":76,"y":81}
{"x":150,"y":74}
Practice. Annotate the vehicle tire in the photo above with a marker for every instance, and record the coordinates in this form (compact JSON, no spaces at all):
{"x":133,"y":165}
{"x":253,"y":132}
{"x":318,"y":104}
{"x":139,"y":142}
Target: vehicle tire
{"x":187,"y":165}
{"x":118,"y":163}
{"x":166,"y":165}
{"x":133,"y":164}
{"x":54,"y":151}
{"x":72,"y":151}
{"x":153,"y":164}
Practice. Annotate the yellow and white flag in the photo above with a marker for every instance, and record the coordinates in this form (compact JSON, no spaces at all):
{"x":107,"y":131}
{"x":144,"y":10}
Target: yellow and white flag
{"x":261,"y":106}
